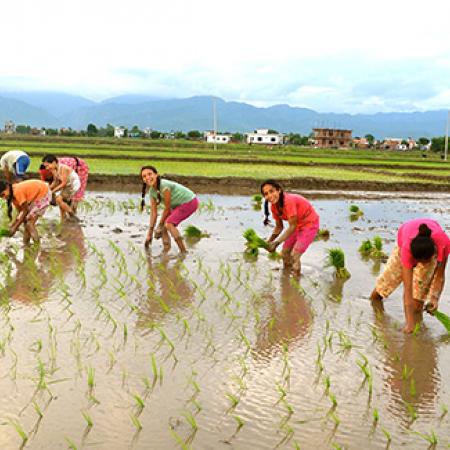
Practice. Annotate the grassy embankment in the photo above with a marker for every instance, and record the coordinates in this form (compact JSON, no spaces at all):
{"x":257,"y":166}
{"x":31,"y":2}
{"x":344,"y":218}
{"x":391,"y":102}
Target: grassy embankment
{"x":110,"y":157}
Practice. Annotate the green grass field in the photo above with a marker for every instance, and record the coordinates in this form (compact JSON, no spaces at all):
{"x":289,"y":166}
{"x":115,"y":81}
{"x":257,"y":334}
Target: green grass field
{"x":126,"y":156}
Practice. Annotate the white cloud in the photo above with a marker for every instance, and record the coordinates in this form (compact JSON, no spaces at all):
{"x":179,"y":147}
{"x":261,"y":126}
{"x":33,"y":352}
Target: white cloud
{"x":309,"y":54}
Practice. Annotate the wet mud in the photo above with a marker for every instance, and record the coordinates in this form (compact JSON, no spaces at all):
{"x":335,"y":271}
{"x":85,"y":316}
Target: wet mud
{"x":105,"y":344}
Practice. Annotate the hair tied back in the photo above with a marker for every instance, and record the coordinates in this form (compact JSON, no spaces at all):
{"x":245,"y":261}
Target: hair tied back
{"x":424,"y":230}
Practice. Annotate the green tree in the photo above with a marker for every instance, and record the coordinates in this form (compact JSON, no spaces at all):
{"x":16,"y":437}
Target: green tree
{"x":91,"y":130}
{"x":23,"y":129}
{"x":423,"y":141}
{"x":194,"y":134}
{"x":270,"y":131}
{"x":155,"y":134}
{"x":297,"y":139}
{"x":370,"y":139}
{"x":237,"y":137}
{"x":180,"y":135}
{"x":438,"y":144}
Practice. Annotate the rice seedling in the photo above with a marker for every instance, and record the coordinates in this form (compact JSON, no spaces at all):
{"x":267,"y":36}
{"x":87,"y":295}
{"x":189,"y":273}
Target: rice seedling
{"x":233,"y":400}
{"x":376,"y":416}
{"x":90,"y":377}
{"x":336,"y":259}
{"x":412,"y":387}
{"x":20,"y":431}
{"x":190,"y":419}
{"x":431,"y":438}
{"x":179,"y":439}
{"x":444,"y":411}
{"x":333,"y":399}
{"x":88,"y":419}
{"x":38,"y":410}
{"x":135,"y":421}
{"x":406,"y":372}
{"x":71,"y":444}
{"x":139,"y":402}
{"x":239,"y":422}
{"x":411,"y":411}
{"x":387,"y":434}
{"x":154,"y":369}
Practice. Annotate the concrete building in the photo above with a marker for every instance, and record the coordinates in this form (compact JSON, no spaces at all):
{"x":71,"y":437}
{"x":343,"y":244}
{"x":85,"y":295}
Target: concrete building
{"x":332,"y":138}
{"x":119,"y":132}
{"x":10,"y":127}
{"x":262,"y":136}
{"x":212,"y":138}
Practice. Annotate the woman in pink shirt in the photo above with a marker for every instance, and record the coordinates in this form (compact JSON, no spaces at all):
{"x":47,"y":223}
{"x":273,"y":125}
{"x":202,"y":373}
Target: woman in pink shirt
{"x":303,"y":223}
{"x":418,"y":260}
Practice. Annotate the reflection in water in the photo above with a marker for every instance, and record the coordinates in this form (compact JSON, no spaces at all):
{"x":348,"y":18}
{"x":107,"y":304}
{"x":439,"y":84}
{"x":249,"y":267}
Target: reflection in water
{"x":41,"y":268}
{"x":289,"y":317}
{"x":167,"y":289}
{"x":410,"y":367}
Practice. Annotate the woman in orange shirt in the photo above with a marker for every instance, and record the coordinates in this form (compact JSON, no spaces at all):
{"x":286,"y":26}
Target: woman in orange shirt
{"x":31,"y":199}
{"x":303,"y":223}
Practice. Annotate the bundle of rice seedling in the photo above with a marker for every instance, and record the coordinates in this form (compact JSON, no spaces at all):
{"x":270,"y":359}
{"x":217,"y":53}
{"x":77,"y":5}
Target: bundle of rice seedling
{"x":257,"y":198}
{"x":366,"y":247}
{"x":254,"y":243}
{"x":4,"y":232}
{"x":323,"y":234}
{"x":193,"y":232}
{"x":336,"y":259}
{"x":355,"y":212}
{"x":377,"y":251}
{"x":253,"y":240}
{"x":373,"y":248}
{"x":443,"y":318}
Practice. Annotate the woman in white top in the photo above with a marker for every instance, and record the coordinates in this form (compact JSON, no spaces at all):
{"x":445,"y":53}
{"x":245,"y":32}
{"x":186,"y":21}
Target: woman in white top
{"x":14,"y":164}
{"x":65,"y":181}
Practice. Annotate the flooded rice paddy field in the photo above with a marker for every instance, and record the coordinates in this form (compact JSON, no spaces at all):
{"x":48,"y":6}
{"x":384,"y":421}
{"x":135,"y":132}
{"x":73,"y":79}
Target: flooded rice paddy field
{"x":106,"y":346}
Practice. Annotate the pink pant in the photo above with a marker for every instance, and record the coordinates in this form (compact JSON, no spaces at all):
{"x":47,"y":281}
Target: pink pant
{"x":182,"y":211}
{"x":301,"y":239}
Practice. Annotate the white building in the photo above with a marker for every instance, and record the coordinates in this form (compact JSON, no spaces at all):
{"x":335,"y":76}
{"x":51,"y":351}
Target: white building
{"x":262,"y":136}
{"x":212,"y":138}
{"x":119,"y":132}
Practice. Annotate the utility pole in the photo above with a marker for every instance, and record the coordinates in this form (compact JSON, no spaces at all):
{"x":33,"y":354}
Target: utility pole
{"x":446,"y":137}
{"x":215,"y":123}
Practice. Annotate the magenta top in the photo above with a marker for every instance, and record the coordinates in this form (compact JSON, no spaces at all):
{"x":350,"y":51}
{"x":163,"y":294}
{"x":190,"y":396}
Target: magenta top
{"x":296,"y":205}
{"x":409,"y":230}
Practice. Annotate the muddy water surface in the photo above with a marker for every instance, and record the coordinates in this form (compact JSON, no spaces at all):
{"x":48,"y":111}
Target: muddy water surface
{"x":104,"y":345}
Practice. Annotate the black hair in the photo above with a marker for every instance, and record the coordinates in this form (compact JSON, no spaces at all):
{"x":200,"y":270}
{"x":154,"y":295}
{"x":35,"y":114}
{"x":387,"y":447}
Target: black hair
{"x":280,"y":204}
{"x":144,"y":186}
{"x":49,"y":159}
{"x":4,"y":185}
{"x":422,"y":246}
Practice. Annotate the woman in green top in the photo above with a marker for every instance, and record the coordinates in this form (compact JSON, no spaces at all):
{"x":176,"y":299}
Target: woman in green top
{"x":179,"y":203}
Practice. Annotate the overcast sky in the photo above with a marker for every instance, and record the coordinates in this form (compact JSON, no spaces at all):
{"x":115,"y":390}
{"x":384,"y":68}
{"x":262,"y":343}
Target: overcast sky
{"x":340,"y":56}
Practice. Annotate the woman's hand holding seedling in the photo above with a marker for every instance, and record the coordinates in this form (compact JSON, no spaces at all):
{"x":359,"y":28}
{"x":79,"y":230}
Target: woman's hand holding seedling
{"x":272,"y":246}
{"x":431,"y":305}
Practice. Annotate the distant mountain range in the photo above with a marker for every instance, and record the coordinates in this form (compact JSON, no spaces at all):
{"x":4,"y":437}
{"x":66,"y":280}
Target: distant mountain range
{"x":52,"y":109}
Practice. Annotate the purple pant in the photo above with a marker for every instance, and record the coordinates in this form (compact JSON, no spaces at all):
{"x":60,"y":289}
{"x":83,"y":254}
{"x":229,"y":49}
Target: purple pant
{"x":302,"y":238}
{"x":182,"y":211}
